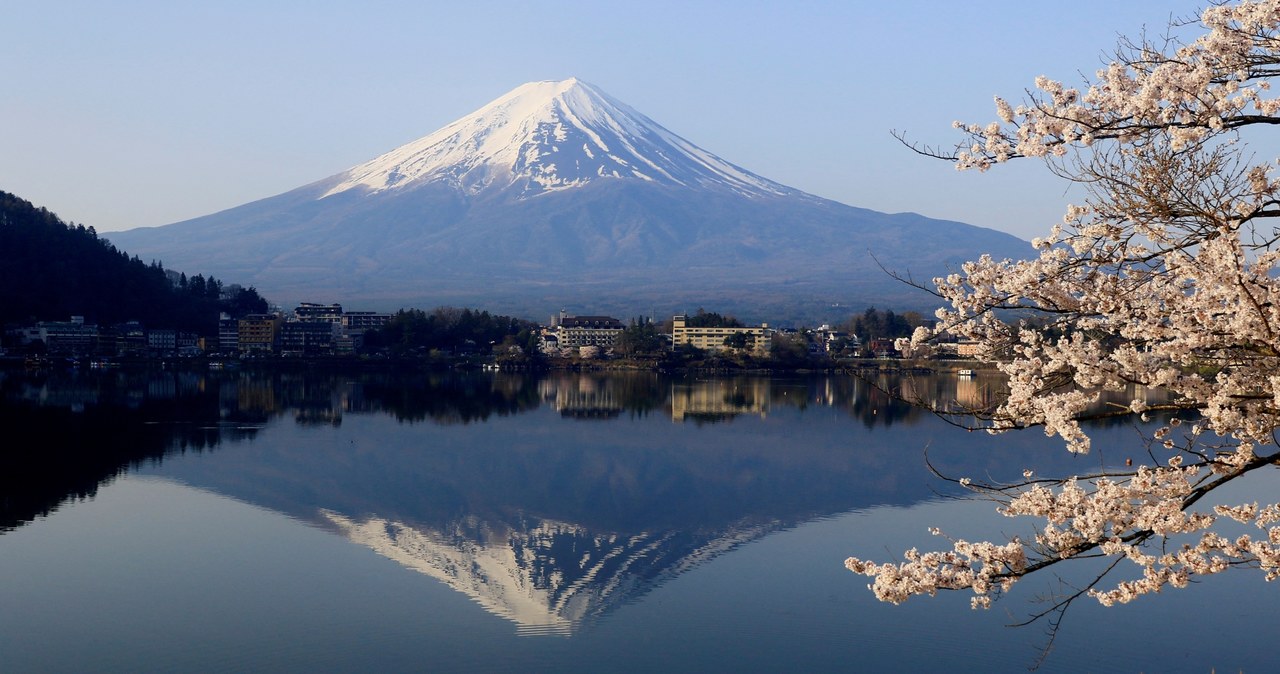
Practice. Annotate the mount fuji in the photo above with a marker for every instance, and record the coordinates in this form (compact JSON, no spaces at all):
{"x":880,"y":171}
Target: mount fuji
{"x":558,"y":195}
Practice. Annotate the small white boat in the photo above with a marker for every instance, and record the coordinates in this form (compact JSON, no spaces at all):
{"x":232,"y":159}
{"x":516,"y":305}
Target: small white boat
{"x":965,"y":373}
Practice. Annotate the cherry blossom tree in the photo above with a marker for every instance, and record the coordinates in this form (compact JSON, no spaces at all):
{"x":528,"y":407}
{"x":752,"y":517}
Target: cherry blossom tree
{"x":1165,"y":276}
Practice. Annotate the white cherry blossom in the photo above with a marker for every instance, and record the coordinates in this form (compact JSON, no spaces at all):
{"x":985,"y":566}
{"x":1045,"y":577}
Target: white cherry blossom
{"x":1167,"y":276}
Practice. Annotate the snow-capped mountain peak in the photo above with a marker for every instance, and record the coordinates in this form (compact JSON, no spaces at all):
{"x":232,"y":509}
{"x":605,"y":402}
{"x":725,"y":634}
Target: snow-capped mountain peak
{"x":551,"y":136}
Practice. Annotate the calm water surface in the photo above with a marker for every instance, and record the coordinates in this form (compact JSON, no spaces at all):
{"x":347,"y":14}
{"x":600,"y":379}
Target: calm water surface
{"x":569,"y":523}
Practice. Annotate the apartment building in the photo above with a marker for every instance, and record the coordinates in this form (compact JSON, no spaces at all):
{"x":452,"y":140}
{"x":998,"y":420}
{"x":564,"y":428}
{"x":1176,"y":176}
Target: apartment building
{"x":756,"y":338}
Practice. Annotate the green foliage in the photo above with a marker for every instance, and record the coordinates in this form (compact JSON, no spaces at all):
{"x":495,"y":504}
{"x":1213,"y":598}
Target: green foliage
{"x":876,"y":324}
{"x":739,"y":340}
{"x":50,"y":270}
{"x":451,"y":329}
{"x":239,"y":301}
{"x":710,"y":319}
{"x":641,"y":337}
{"x":789,"y":350}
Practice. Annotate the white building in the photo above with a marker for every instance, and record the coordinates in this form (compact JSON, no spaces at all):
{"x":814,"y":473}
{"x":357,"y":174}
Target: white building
{"x":574,"y":332}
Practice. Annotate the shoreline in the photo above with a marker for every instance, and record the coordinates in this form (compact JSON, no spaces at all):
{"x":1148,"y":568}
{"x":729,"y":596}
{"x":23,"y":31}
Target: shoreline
{"x":364,"y":363}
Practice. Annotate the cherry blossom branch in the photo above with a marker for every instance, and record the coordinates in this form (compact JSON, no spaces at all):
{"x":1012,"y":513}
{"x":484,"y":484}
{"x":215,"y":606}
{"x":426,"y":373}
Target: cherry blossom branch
{"x":1167,"y":276}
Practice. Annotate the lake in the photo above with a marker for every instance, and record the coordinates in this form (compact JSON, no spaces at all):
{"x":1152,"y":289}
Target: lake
{"x":569,"y":522}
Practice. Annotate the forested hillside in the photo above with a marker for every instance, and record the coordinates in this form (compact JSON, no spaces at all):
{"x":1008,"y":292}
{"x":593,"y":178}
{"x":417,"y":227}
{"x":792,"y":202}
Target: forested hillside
{"x":51,"y":270}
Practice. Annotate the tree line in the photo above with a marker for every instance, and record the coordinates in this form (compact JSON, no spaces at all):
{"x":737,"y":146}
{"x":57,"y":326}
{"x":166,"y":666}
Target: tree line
{"x":449,"y":329}
{"x":52,"y":270}
{"x":876,"y":324}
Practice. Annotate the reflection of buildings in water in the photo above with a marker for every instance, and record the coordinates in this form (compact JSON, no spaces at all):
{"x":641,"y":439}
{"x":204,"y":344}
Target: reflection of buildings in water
{"x":984,"y":393}
{"x":350,"y":398}
{"x":162,"y":388}
{"x":908,"y":388}
{"x":838,"y":391}
{"x":976,"y":393}
{"x":583,"y":396}
{"x":318,"y":416}
{"x":591,"y":413}
{"x":256,"y":396}
{"x":75,"y":392}
{"x":313,"y":402}
{"x":720,"y":398}
{"x":1150,"y":396}
{"x":546,"y":577}
{"x":320,"y":404}
{"x":73,"y":397}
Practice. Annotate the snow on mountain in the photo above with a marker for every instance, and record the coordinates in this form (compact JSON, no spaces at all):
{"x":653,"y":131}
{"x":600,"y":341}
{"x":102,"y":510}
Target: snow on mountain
{"x":555,"y":195}
{"x":549,"y":136}
{"x":547,"y":577}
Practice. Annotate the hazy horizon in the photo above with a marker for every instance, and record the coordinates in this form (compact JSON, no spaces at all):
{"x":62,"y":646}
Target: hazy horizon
{"x":148,"y":114}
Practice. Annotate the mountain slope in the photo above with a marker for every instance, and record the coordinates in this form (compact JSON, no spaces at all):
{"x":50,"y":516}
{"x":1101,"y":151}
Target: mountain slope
{"x":548,"y":136}
{"x":51,"y":270}
{"x":558,"y":195}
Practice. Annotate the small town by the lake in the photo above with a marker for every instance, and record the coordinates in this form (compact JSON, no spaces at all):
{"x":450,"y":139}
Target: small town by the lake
{"x":639,"y":337}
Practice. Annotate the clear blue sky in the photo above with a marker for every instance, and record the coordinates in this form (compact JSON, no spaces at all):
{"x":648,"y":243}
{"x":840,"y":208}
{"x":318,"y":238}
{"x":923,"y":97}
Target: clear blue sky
{"x":141,"y":113}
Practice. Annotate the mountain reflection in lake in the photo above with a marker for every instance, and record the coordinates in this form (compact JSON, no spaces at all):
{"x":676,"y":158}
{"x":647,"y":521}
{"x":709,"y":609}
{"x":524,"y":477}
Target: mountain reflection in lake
{"x":587,"y":506}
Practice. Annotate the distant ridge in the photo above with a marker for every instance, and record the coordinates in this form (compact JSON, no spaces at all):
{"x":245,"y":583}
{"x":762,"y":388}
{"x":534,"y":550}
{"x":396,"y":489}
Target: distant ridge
{"x":556,"y":194}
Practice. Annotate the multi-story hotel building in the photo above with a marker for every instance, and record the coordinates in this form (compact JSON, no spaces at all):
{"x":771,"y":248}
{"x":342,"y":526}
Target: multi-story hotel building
{"x":712,"y":338}
{"x":573,"y":332}
{"x":259,"y":333}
